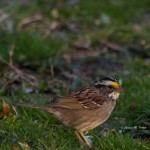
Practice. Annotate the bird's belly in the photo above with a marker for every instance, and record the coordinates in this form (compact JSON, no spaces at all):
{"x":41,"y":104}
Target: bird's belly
{"x":90,"y":123}
{"x":92,"y":119}
{"x":85,"y":126}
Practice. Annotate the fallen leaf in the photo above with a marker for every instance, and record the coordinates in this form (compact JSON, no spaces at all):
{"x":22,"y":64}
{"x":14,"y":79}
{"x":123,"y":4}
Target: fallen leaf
{"x":80,"y":52}
{"x":6,"y":110}
{"x":30,"y":20}
{"x":15,"y":148}
{"x":114,"y":47}
{"x":54,"y":13}
{"x":54,"y":25}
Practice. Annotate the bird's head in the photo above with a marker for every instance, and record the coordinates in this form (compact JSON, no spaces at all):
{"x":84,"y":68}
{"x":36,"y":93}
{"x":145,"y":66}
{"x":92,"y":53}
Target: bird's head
{"x":111,"y":83}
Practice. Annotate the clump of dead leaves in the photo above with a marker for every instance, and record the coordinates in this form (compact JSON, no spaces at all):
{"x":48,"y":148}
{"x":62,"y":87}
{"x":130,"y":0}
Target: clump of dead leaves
{"x":4,"y":110}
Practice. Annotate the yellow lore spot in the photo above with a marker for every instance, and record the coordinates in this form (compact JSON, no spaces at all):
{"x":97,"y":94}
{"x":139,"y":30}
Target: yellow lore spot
{"x":114,"y":84}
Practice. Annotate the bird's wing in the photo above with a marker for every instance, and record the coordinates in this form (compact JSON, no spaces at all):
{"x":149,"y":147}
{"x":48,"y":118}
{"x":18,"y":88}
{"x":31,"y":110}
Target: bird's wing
{"x":86,"y":97}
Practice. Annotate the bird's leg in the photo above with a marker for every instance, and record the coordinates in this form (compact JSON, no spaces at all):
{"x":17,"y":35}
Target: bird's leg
{"x":85,"y":139}
{"x":79,"y":137}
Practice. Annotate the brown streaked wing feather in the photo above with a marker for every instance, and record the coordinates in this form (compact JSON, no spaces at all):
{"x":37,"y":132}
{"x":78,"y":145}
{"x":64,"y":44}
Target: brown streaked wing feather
{"x":86,"y":97}
{"x":89,"y":97}
{"x":68,"y":101}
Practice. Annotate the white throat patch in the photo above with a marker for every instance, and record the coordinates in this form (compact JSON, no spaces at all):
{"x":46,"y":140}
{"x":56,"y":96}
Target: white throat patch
{"x":114,"y":95}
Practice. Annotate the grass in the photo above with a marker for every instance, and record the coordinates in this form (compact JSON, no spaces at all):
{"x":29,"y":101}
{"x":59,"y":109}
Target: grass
{"x":94,"y":23}
{"x":27,"y":44}
{"x":39,"y":130}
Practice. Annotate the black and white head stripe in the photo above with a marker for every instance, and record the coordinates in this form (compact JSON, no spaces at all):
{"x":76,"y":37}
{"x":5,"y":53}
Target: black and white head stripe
{"x":106,"y":81}
{"x":109,"y":79}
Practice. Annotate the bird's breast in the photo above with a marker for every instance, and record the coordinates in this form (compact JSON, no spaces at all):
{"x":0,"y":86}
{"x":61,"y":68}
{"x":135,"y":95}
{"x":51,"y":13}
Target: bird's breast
{"x":114,"y":95}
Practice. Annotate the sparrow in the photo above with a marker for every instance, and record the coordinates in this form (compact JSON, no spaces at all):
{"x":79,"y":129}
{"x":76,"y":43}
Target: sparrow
{"x":84,"y":108}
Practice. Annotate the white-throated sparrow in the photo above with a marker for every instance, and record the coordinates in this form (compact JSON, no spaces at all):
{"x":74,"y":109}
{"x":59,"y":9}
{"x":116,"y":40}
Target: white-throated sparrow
{"x":85,"y":108}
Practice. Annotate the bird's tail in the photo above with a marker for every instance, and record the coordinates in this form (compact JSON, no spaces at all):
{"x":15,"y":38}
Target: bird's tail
{"x":37,"y":106}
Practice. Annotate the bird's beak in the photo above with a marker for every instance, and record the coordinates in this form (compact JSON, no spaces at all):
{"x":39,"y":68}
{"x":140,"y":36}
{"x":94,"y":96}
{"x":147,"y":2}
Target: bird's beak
{"x":120,"y":89}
